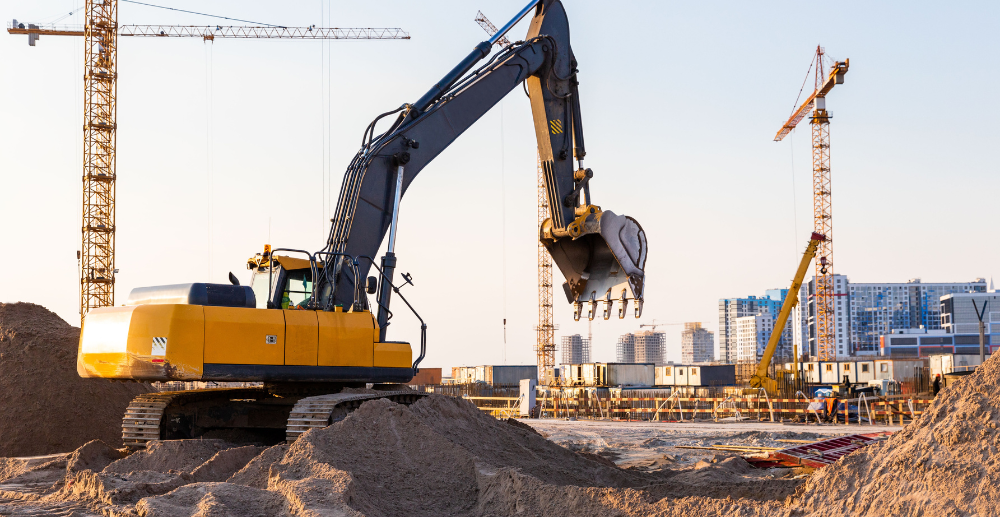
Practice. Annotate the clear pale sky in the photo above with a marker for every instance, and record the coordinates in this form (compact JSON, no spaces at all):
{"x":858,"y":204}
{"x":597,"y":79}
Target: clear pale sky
{"x":681,"y":102}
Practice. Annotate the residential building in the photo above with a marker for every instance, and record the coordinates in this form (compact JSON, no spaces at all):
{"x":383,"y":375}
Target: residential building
{"x":642,"y":347}
{"x":732,"y":308}
{"x":575,"y":349}
{"x":752,"y":333}
{"x":697,"y":344}
{"x":867,"y":311}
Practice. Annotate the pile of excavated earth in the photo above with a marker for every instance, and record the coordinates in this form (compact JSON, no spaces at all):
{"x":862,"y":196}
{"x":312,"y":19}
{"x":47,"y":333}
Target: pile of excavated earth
{"x":45,"y":407}
{"x":442,"y":456}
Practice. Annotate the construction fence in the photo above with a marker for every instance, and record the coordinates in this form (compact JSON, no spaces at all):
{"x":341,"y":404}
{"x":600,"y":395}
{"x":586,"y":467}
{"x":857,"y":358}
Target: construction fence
{"x":715,"y":404}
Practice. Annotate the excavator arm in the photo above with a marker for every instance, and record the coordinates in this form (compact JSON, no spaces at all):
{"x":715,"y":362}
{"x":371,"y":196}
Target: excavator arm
{"x":601,"y":254}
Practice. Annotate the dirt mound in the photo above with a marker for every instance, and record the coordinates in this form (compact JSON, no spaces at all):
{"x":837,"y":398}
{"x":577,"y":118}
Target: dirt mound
{"x":94,"y":455}
{"x":255,"y":473}
{"x":47,"y":407}
{"x":947,"y":462}
{"x":501,"y":445}
{"x":170,"y":455}
{"x":214,"y":500}
{"x":225,"y":463}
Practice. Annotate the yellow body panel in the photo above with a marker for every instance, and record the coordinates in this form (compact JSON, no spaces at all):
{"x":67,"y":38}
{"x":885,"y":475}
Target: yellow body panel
{"x":396,"y":355}
{"x":236,"y":335}
{"x":176,"y":341}
{"x":301,"y":338}
{"x":118,"y":342}
{"x":346,"y":338}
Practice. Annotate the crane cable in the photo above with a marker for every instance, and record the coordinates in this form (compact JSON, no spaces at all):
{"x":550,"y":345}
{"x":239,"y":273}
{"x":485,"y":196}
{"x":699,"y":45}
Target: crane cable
{"x":203,"y":14}
{"x":503,"y":231}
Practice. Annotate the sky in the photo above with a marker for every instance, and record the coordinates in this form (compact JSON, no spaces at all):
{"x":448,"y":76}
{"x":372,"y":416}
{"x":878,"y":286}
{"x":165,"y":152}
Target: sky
{"x":225,"y":146}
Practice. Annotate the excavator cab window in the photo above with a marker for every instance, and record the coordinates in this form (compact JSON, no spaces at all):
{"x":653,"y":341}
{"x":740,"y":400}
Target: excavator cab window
{"x":260,"y":288}
{"x":298,"y":288}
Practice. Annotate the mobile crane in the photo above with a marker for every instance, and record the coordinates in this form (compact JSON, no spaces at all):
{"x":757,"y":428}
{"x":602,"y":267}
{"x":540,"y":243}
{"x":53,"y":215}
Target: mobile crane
{"x":305,"y":327}
{"x":760,"y":379}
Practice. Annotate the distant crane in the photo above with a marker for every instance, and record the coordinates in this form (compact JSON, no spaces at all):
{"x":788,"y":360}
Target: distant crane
{"x":101,"y":31}
{"x":825,"y":290}
{"x":654,"y":324}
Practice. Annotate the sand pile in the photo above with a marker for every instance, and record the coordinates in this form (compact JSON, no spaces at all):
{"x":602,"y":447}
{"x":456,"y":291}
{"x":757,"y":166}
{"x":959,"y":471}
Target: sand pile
{"x":439,"y":456}
{"x":947,"y":462}
{"x":47,"y":408}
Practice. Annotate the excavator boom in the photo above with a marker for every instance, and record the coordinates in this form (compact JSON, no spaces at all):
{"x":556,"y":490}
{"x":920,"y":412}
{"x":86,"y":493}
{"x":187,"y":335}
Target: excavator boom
{"x":601,"y":254}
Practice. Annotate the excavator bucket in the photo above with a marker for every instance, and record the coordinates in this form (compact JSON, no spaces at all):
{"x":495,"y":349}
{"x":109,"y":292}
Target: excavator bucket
{"x":604,"y":262}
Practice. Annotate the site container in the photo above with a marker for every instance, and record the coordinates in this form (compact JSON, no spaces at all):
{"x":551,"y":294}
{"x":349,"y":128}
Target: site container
{"x":900,"y":370}
{"x":942,"y":364}
{"x":508,"y":375}
{"x":426,"y":376}
{"x":664,"y":375}
{"x":810,"y":371}
{"x":629,"y":374}
{"x":865,"y":372}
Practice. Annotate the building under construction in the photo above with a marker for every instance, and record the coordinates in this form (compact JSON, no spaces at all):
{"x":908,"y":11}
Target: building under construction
{"x":646,"y":346}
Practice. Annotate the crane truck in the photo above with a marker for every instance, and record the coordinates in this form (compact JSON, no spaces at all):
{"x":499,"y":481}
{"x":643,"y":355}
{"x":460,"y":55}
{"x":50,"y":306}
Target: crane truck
{"x":760,"y":378}
{"x":304,"y":330}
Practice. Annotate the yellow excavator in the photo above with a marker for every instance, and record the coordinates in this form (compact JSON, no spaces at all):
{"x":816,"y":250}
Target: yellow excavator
{"x":304,"y":330}
{"x":760,"y":379}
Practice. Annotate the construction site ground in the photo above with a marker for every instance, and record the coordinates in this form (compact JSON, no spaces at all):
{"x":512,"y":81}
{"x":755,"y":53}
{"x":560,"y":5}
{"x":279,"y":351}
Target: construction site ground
{"x":657,"y":444}
{"x":62,"y":455}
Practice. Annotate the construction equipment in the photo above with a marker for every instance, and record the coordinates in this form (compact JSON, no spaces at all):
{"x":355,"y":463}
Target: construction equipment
{"x":760,"y":379}
{"x":101,"y":32}
{"x":305,"y":326}
{"x":824,"y":292}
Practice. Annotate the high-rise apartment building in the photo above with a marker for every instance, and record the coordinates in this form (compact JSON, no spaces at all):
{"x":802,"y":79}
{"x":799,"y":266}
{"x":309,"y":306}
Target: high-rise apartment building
{"x":752,"y":334}
{"x":697,"y":344}
{"x":732,"y":308}
{"x":575,"y":349}
{"x":642,"y":347}
{"x":867,"y":311}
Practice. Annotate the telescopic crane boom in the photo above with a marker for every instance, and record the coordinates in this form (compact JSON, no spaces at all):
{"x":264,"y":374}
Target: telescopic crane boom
{"x":760,"y":378}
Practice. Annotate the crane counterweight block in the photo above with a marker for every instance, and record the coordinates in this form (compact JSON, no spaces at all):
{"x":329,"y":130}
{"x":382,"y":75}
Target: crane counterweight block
{"x":604,"y":260}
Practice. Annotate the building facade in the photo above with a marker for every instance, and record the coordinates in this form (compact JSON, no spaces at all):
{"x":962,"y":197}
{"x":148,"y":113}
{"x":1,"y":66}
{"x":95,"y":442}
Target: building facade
{"x":866,"y":312}
{"x":575,"y":349}
{"x":697,"y":344}
{"x":752,"y":334}
{"x":732,"y":308}
{"x":642,"y":347}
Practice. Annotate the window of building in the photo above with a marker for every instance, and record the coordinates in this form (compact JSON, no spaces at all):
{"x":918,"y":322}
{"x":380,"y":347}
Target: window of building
{"x":694,"y":371}
{"x":809,"y":367}
{"x":847,"y":367}
{"x":884,"y":367}
{"x":829,"y":367}
{"x":666,"y":371}
{"x":864,"y":368}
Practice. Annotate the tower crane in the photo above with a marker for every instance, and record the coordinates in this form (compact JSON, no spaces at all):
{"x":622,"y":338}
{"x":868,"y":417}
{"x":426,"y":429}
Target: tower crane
{"x":100,"y":32}
{"x":825,"y":290}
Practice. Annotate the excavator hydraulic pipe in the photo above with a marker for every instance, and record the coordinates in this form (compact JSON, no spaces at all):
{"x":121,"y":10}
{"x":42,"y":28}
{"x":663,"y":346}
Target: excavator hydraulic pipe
{"x":482,"y":50}
{"x":759,"y":380}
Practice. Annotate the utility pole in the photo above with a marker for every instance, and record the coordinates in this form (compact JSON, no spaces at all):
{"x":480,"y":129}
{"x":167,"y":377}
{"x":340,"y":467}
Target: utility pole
{"x":982,"y":329}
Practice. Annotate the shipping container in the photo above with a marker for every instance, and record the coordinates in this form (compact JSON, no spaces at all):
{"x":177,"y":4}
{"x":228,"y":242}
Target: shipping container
{"x":507,"y":375}
{"x":810,"y":370}
{"x":942,"y":364}
{"x":716,"y":375}
{"x":680,"y":375}
{"x":572,"y":374}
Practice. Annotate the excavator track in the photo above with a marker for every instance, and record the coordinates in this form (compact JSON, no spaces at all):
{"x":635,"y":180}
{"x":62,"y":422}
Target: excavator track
{"x":170,"y":415}
{"x":143,"y":420}
{"x":323,"y":410}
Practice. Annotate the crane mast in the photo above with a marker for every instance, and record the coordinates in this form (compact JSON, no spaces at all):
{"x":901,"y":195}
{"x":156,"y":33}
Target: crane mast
{"x":824,"y":297}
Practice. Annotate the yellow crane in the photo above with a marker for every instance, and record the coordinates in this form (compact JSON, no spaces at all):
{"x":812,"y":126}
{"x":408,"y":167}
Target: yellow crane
{"x":760,"y":379}
{"x":101,"y":32}
{"x":825,"y":294}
